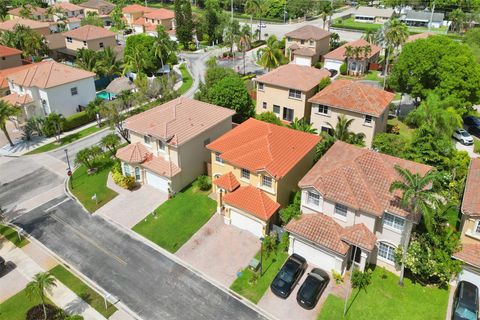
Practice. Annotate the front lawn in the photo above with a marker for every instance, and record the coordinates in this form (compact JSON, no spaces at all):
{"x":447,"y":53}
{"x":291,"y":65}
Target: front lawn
{"x":350,"y":23}
{"x":385,"y":299}
{"x":187,"y":79}
{"x":84,"y":186}
{"x":254,"y":292}
{"x":11,"y":235}
{"x":87,"y":294}
{"x":405,"y":130}
{"x":177,"y":220}
{"x":16,"y":307}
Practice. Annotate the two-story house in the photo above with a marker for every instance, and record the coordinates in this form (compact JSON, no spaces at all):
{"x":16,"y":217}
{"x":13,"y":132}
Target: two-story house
{"x":367,"y":105}
{"x":89,"y":37}
{"x":39,"y":27}
{"x":287,"y":89}
{"x":68,"y":16}
{"x":48,"y":86}
{"x":348,"y":213}
{"x":134,"y":11}
{"x":101,"y":8}
{"x":307,"y":44}
{"x":35,"y":13}
{"x":167,"y":149}
{"x":255,"y":169}
{"x":10,"y":57}
{"x":334,"y":59}
{"x":470,"y":225}
{"x":150,"y":19}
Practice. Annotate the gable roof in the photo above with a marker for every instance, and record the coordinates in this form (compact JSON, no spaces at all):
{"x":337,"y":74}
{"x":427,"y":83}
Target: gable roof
{"x":89,"y":32}
{"x":67,"y":6}
{"x":133,"y":8}
{"x":360,"y":178}
{"x":102,"y":5}
{"x":360,"y":236}
{"x":308,"y":32}
{"x":7,"y":51}
{"x":374,"y":12}
{"x":354,"y":96}
{"x":227,"y":181}
{"x":469,"y":254}
{"x":32,"y":24}
{"x":178,"y":120}
{"x":256,"y":145}
{"x":294,"y":76}
{"x":34,"y":11}
{"x":253,"y":201}
{"x":47,"y":74}
{"x":6,"y":72}
{"x":423,"y":16}
{"x":339,"y":53}
{"x":16,"y":99}
{"x":471,"y":197}
{"x":160,"y":14}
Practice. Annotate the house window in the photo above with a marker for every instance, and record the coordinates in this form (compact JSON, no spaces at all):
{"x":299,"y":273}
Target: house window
{"x":327,"y":130}
{"x":287,"y":114}
{"x":311,"y":43}
{"x":313,"y":198}
{"x":386,"y":251}
{"x":261,"y":86}
{"x":322,"y":109}
{"x":245,"y":174}
{"x":161,"y":145}
{"x":368,"y":120}
{"x":126,"y":169}
{"x":267,"y":181}
{"x":85,"y":43}
{"x":74,"y":91}
{"x":302,"y":41}
{"x":147,"y":140}
{"x":340,"y":210}
{"x":217,"y":157}
{"x":3,"y":58}
{"x":295,"y":94}
{"x":276,"y":109}
{"x":206,"y":141}
{"x":477,"y":229}
{"x":69,"y":39}
{"x":137,"y":174}
{"x":289,"y":39}
{"x":101,"y":44}
{"x":264,"y":105}
{"x":394,"y":222}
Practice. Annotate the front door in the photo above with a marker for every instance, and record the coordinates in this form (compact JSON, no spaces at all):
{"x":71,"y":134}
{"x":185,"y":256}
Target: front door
{"x":356,"y":255}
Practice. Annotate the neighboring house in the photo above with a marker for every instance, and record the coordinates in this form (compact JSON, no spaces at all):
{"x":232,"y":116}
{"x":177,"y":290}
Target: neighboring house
{"x":367,"y":105}
{"x":285,"y":91}
{"x":40,"y":27}
{"x":372,"y":15}
{"x":133,"y":12}
{"x":307,"y":44}
{"x":423,"y":19}
{"x":255,"y":170}
{"x":66,"y":10}
{"x":149,"y":21}
{"x":90,"y":37}
{"x":10,"y":57}
{"x":470,"y":225}
{"x":417,"y":36}
{"x":337,"y":57}
{"x":99,"y":7}
{"x":56,"y":44}
{"x":36,"y":13}
{"x":53,"y":2}
{"x":348,"y":213}
{"x":4,"y":88}
{"x":48,"y":86}
{"x":167,"y":149}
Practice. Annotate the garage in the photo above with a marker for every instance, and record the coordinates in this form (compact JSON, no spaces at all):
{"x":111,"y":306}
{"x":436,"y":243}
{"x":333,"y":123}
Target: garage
{"x":314,"y":255}
{"x":470,"y":275}
{"x":243,"y":222}
{"x":157,"y":181}
{"x":303,"y":61}
{"x":332,"y":64}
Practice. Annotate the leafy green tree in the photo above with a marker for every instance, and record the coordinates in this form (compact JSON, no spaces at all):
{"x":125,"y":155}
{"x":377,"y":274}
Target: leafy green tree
{"x":92,"y":19}
{"x":303,"y":125}
{"x":88,"y":156}
{"x":109,"y":65}
{"x":254,"y":9}
{"x":117,"y":18}
{"x":215,"y":20}
{"x":271,"y":56}
{"x":324,"y":83}
{"x":111,"y":142}
{"x":360,"y":281}
{"x":115,"y":118}
{"x":163,"y":45}
{"x":87,"y":59}
{"x":184,"y":21}
{"x":42,"y":282}
{"x":6,"y":112}
{"x":94,"y":108}
{"x":269,"y":117}
{"x":292,"y":211}
{"x":31,"y":43}
{"x":457,"y":17}
{"x":389,"y":143}
{"x":3,"y":10}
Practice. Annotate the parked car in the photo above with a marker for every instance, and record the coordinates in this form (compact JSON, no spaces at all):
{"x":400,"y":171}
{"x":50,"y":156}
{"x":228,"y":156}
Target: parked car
{"x":465,"y":302}
{"x":463,"y":136}
{"x":333,"y":72}
{"x":474,"y":130}
{"x":288,"y":276}
{"x":312,"y":288}
{"x":471,"y":121}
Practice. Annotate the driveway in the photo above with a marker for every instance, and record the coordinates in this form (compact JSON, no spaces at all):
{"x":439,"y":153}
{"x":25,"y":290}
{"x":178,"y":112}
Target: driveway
{"x":219,"y":250}
{"x":469,"y":149}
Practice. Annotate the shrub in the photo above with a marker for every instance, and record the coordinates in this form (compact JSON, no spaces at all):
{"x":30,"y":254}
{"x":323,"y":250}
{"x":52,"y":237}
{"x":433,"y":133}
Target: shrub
{"x":192,"y":46}
{"x":269,"y":117}
{"x":258,"y":43}
{"x":318,"y":65}
{"x":324,"y":83}
{"x":284,"y":241}
{"x":76,"y":120}
{"x":123,"y":181}
{"x":343,"y":69}
{"x":117,"y":167}
{"x":337,"y":277}
{"x":395,"y":129}
{"x":36,"y":312}
{"x":476,"y":146}
{"x":203,"y":183}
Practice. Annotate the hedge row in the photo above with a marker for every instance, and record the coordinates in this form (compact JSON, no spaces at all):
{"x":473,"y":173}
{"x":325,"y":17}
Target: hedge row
{"x":77,"y":120}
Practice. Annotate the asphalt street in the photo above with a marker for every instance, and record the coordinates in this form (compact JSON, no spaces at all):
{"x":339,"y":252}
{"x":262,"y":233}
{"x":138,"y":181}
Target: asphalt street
{"x":149,"y":283}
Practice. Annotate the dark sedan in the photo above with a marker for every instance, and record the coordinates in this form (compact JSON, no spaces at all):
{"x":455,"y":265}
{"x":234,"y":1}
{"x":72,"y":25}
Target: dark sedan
{"x":465,"y":303}
{"x":288,"y":276}
{"x":471,"y":121}
{"x":312,"y":288}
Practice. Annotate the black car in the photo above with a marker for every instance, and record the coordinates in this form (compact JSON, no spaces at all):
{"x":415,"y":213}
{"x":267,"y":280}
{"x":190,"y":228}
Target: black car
{"x":474,"y":130}
{"x":465,"y":303}
{"x":288,"y":276}
{"x":471,"y":121}
{"x":312,"y":288}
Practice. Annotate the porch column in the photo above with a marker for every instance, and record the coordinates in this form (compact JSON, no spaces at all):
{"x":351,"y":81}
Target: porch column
{"x":219,"y":200}
{"x":363,"y":260}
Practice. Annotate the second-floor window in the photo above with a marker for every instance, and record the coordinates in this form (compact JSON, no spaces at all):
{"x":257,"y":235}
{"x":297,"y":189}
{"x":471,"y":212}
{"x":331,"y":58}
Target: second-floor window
{"x":161,"y":145}
{"x":311,"y":43}
{"x":69,"y":39}
{"x":217,"y":157}
{"x":295,"y":94}
{"x":322,"y":109}
{"x":261,"y":86}
{"x":477,"y":229}
{"x":368,"y":120}
{"x":147,"y":140}
{"x":267,"y":181}
{"x":74,"y":91}
{"x":245,"y":174}
{"x":340,"y":210}
{"x":394,"y":222}
{"x":313,"y":198}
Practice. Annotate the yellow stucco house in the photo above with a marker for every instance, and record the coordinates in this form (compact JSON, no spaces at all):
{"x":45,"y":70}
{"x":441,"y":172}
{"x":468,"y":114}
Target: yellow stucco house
{"x":306,"y":45}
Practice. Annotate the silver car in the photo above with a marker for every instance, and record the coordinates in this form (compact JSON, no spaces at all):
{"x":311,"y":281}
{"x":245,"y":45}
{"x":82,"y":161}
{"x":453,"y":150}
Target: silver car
{"x":463,"y":136}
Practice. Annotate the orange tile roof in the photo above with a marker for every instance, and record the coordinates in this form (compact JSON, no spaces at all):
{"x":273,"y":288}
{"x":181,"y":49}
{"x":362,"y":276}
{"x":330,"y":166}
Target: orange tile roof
{"x":133,"y":8}
{"x":141,"y":22}
{"x":360,"y":178}
{"x":294,"y":76}
{"x":47,"y":74}
{"x":258,"y":145}
{"x":89,"y":32}
{"x":101,"y":5}
{"x":67,"y":6}
{"x":178,"y":120}
{"x":34,"y":11}
{"x":161,"y":166}
{"x":252,"y":200}
{"x":470,"y":254}
{"x":7,"y":51}
{"x":6,"y":72}
{"x":16,"y":99}
{"x":423,"y":35}
{"x":32,"y":24}
{"x":354,"y":96}
{"x":160,"y":14}
{"x":339,"y":53}
{"x":471,"y":197}
{"x":133,"y":153}
{"x":308,"y":32}
{"x":227,"y":181}
{"x":359,"y":235}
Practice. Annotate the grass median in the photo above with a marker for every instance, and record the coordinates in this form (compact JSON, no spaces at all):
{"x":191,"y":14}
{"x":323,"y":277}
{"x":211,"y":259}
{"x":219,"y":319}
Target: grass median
{"x":187,"y":79}
{"x":11,"y":235}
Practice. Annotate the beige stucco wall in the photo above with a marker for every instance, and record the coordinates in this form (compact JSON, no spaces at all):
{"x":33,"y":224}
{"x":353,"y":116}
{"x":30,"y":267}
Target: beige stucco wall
{"x":167,"y":23}
{"x":11,"y":61}
{"x":130,"y":17}
{"x":91,"y":44}
{"x":468,"y":231}
{"x":320,"y":47}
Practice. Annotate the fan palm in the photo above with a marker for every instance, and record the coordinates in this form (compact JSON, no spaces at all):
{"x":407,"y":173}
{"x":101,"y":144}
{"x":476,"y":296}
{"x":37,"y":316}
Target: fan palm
{"x":303,"y":125}
{"x":271,"y":55}
{"x":42,"y":282}
{"x":109,"y":64}
{"x":341,"y":131}
{"x":6,"y":111}
{"x":254,"y":8}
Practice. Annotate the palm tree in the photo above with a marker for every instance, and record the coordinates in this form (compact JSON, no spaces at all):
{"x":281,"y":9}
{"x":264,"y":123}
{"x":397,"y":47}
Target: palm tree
{"x":6,"y":111}
{"x":271,"y":56}
{"x":135,"y":61}
{"x":3,"y":10}
{"x":341,"y":131}
{"x":395,"y":33}
{"x":87,"y":59}
{"x":357,"y":53}
{"x":231,"y":34}
{"x":163,"y":46}
{"x":108,"y":64}
{"x":457,"y":17}
{"x":111,"y":142}
{"x":26,"y":11}
{"x":325,"y":14}
{"x":348,"y":55}
{"x":254,"y":8}
{"x":417,"y":197}
{"x":302,"y":125}
{"x":369,"y":36}
{"x":42,"y":282}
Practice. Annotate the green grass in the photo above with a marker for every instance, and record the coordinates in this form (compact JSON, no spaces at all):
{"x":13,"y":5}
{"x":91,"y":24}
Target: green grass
{"x":177,"y":220}
{"x":187,"y":79}
{"x":405,"y":130}
{"x":88,"y":295}
{"x":11,"y":235}
{"x":254,"y":292}
{"x":369,"y":75}
{"x":350,"y":23}
{"x":476,"y":145}
{"x":385,"y":299}
{"x":66,"y":140}
{"x":84,"y":186}
{"x":16,"y":307}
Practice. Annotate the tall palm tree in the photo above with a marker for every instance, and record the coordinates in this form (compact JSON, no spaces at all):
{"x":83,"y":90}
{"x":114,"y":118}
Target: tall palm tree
{"x":357,"y":54}
{"x":254,"y":8}
{"x":135,"y":61}
{"x":341,"y":131}
{"x":163,"y":46}
{"x":302,"y":125}
{"x":42,"y":282}
{"x":6,"y":111}
{"x":369,"y":36}
{"x":231,"y":34}
{"x":271,"y":56}
{"x":417,"y":196}
{"x":325,"y":14}
{"x":109,"y":64}
{"x":395,"y":33}
{"x":87,"y":59}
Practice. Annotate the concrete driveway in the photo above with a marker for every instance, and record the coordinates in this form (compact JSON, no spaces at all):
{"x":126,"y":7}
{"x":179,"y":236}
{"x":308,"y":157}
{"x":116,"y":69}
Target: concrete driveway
{"x":219,"y":250}
{"x":469,"y":149}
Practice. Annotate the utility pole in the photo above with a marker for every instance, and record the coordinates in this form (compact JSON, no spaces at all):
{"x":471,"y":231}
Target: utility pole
{"x":431,"y":17}
{"x":285,"y":12}
{"x":386,"y":67}
{"x":231,"y":7}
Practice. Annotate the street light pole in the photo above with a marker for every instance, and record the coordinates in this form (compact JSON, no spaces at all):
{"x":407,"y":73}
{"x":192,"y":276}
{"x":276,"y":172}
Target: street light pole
{"x":69,"y":169}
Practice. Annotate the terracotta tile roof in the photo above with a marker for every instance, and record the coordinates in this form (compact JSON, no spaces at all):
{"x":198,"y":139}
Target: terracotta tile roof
{"x":141,"y":22}
{"x":67,"y":6}
{"x":32,"y":24}
{"x":160,"y":14}
{"x":101,"y":5}
{"x":133,"y":8}
{"x":47,"y":74}
{"x":294,"y":76}
{"x":89,"y":32}
{"x":339,"y":53}
{"x":360,"y":178}
{"x":227,"y":181}
{"x":133,"y":153}
{"x":161,"y":166}
{"x":7,"y":51}
{"x":307,"y":52}
{"x":354,"y":96}
{"x":258,"y":145}
{"x":359,"y":235}
{"x":308,"y":32}
{"x":55,"y":41}
{"x":34,"y":11}
{"x":253,"y":201}
{"x":178,"y":120}
{"x":469,"y":254}
{"x":471,"y":197}
{"x":16,"y":99}
{"x":6,"y":72}
{"x":417,"y":36}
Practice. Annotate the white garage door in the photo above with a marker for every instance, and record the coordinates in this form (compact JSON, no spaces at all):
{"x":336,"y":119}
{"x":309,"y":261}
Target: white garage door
{"x":314,"y":255}
{"x":470,"y":276}
{"x":303,"y":61}
{"x":245,"y":223}
{"x":157,"y":181}
{"x":332,"y":64}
